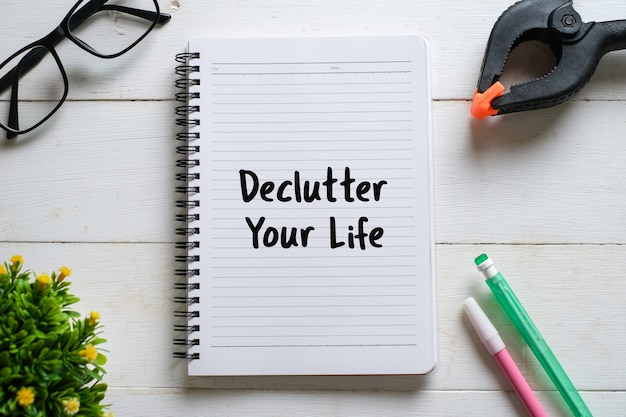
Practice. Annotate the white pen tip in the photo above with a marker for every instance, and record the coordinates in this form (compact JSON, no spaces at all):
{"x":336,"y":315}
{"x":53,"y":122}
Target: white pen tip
{"x":485,"y":329}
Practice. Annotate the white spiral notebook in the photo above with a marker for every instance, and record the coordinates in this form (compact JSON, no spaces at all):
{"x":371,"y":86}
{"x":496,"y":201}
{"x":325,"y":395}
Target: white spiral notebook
{"x":306,"y":212}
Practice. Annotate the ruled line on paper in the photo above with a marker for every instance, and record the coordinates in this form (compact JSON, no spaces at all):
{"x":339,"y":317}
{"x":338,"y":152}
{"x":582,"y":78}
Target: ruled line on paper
{"x":312,"y":112}
{"x":291,"y":267}
{"x":297,"y":103}
{"x":301,"y":122}
{"x":310,"y":84}
{"x":316,"y":316}
{"x":296,"y":217}
{"x":363,"y":276}
{"x":311,"y":286}
{"x":325,"y":335}
{"x":368,"y":62}
{"x":338,"y":73}
{"x":311,"y":93}
{"x":322,"y":346}
{"x":290,"y":208}
{"x":309,"y":131}
{"x":334,"y":160}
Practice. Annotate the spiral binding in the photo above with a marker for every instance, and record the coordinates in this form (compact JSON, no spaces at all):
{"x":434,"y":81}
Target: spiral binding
{"x":188,"y":203}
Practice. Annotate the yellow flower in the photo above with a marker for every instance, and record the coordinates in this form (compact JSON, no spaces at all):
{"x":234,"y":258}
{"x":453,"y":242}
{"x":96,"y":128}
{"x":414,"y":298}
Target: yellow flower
{"x":90,"y":353}
{"x":3,"y":270}
{"x":71,"y":406}
{"x":43,"y":280}
{"x":26,"y":396}
{"x":65,"y":272}
{"x":108,"y":414}
{"x":17,"y":259}
{"x":94,"y":316}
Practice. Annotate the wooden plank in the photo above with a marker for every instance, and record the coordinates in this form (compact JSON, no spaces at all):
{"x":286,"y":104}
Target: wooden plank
{"x":108,"y":179}
{"x":549,"y":176}
{"x":157,"y":403}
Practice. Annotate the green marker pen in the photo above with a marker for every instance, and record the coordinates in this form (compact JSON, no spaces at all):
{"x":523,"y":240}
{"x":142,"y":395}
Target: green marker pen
{"x":515,"y":311}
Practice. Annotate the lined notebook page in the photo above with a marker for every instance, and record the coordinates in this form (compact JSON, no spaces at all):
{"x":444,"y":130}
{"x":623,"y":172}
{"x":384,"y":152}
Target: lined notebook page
{"x":316,"y":211}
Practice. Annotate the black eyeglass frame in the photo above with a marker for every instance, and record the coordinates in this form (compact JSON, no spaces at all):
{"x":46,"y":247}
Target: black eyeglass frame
{"x":71,"y":21}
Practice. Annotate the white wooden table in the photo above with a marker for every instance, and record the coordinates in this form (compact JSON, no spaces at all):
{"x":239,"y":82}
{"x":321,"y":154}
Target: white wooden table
{"x":543,"y":193}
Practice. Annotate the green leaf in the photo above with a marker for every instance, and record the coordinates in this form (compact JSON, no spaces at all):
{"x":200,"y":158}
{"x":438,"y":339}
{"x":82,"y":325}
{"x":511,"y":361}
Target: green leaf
{"x":100,"y":360}
{"x":97,"y":341}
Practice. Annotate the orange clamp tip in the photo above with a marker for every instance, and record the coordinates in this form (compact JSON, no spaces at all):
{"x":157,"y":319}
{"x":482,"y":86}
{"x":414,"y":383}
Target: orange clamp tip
{"x":481,"y":104}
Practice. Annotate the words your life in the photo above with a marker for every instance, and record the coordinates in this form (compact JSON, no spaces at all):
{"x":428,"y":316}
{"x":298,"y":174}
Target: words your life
{"x":289,"y":236}
{"x":297,"y":190}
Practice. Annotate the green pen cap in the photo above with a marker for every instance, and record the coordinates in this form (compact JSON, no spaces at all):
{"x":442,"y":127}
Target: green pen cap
{"x":480,"y":259}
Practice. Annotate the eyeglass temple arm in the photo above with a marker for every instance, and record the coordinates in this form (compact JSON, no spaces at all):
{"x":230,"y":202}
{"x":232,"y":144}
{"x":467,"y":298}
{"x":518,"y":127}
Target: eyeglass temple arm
{"x":162,"y":18}
{"x":28,"y":61}
{"x":13,"y":121}
{"x":35,"y":56}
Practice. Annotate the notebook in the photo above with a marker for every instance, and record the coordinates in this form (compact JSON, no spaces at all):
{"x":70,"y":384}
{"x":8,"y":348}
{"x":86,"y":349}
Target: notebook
{"x":305,"y":207}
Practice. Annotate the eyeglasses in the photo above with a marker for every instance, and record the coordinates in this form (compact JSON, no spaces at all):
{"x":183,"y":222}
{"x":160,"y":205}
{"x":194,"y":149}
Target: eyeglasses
{"x":33,"y":82}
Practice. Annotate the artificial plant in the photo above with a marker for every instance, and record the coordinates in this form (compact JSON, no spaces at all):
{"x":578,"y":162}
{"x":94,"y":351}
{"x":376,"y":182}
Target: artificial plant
{"x":50,"y":361}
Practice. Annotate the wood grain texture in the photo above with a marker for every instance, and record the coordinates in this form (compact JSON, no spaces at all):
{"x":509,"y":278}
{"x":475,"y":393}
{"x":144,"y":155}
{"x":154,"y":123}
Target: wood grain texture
{"x":543,"y":193}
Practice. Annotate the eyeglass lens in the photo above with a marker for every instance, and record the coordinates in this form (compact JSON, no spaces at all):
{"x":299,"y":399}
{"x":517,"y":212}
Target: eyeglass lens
{"x":116,"y":26}
{"x":39,"y":90}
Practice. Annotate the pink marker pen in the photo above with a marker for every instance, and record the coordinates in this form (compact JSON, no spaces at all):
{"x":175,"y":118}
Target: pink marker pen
{"x":495,"y":346}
